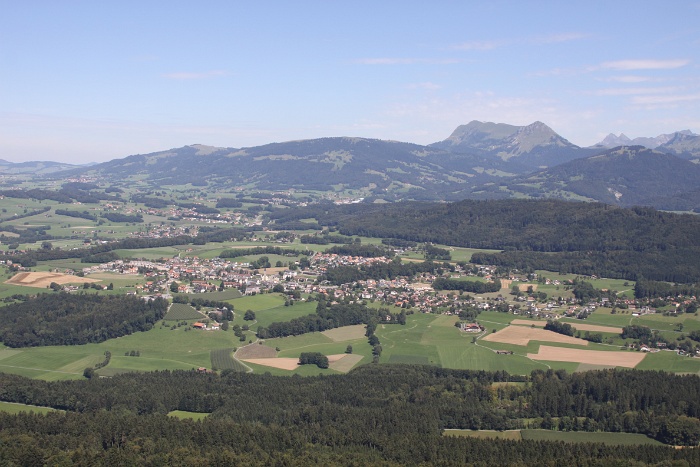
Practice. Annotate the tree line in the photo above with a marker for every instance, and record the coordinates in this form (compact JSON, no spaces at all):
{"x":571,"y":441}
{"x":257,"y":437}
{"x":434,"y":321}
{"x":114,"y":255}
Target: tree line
{"x":327,"y":316}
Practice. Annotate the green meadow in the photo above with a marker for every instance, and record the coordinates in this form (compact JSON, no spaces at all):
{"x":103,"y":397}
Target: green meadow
{"x":425,"y":339}
{"x":14,"y":408}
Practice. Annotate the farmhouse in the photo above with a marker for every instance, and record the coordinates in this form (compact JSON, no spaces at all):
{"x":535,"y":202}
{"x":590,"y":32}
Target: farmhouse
{"x":199,"y":325}
{"x":469,"y":327}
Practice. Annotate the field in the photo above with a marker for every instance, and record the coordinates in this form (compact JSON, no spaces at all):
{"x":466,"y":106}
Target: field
{"x":13,"y":408}
{"x":513,"y":435}
{"x":346,"y":333}
{"x":578,"y":325}
{"x":44,"y":279}
{"x":521,"y":335}
{"x":182,"y":311}
{"x":426,"y":339}
{"x":222,"y":359}
{"x":339,"y":362}
{"x":594,"y":357}
{"x":184,"y":415}
{"x":616,"y":439}
{"x":252,"y":351}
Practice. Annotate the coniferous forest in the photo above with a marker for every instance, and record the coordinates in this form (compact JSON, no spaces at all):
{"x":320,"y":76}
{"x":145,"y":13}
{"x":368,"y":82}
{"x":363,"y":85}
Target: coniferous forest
{"x":568,"y":237}
{"x":377,"y":414}
{"x":67,"y":319}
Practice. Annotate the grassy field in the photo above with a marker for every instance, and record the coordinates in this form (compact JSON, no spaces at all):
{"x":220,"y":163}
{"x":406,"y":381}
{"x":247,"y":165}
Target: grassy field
{"x":615,"y":439}
{"x":182,"y":414}
{"x":584,"y":437}
{"x":179,"y":311}
{"x":485,"y":434}
{"x":425,"y":339}
{"x":13,"y":408}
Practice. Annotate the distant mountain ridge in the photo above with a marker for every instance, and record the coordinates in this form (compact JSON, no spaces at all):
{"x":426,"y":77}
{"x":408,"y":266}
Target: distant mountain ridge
{"x":612,"y":140}
{"x":625,"y":175}
{"x":521,"y":147}
{"x":478,"y":160}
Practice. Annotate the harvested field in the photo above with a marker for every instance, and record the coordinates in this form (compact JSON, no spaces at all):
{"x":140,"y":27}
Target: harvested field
{"x":282,"y":363}
{"x":255,"y":351}
{"x":340,"y":362}
{"x":345,"y":363}
{"x":521,"y":335}
{"x":593,"y":357}
{"x":346,"y":333}
{"x":44,"y":279}
{"x":578,"y":326}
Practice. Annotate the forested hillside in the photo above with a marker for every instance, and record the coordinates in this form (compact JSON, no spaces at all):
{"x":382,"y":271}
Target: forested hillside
{"x":376,"y":414}
{"x":583,"y":238}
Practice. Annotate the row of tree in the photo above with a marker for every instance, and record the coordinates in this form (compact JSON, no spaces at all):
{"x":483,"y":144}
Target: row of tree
{"x":442,"y":283}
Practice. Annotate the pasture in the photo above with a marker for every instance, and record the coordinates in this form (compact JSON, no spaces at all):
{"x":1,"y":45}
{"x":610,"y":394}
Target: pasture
{"x":14,"y":408}
{"x":182,"y":311}
{"x":222,"y":359}
{"x":184,"y":415}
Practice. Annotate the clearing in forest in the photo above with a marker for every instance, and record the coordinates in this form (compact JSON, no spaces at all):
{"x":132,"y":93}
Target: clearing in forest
{"x":594,"y":357}
{"x":521,"y":335}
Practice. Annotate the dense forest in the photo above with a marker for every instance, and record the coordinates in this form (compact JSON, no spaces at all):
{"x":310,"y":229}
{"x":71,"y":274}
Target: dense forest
{"x":376,"y":414}
{"x":582,"y":238}
{"x":73,"y":319}
{"x":327,"y":316}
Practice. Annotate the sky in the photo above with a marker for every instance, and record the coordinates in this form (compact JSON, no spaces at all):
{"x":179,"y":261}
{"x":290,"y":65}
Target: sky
{"x":87,"y":81}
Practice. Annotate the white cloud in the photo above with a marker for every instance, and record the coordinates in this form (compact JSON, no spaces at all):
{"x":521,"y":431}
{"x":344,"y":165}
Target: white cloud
{"x":644,"y":64}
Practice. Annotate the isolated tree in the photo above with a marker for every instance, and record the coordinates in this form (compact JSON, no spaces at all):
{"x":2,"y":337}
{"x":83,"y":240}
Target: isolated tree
{"x":249,"y":315}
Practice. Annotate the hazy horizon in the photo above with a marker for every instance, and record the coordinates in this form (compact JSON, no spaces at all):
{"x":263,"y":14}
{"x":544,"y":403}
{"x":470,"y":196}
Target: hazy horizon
{"x":84,"y":82}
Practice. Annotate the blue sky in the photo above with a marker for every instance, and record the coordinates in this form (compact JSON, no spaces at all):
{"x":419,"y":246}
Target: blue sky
{"x":94,"y":81}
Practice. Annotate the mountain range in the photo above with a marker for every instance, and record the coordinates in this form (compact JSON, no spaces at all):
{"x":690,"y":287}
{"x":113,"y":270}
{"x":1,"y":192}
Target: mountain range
{"x":478,"y":160}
